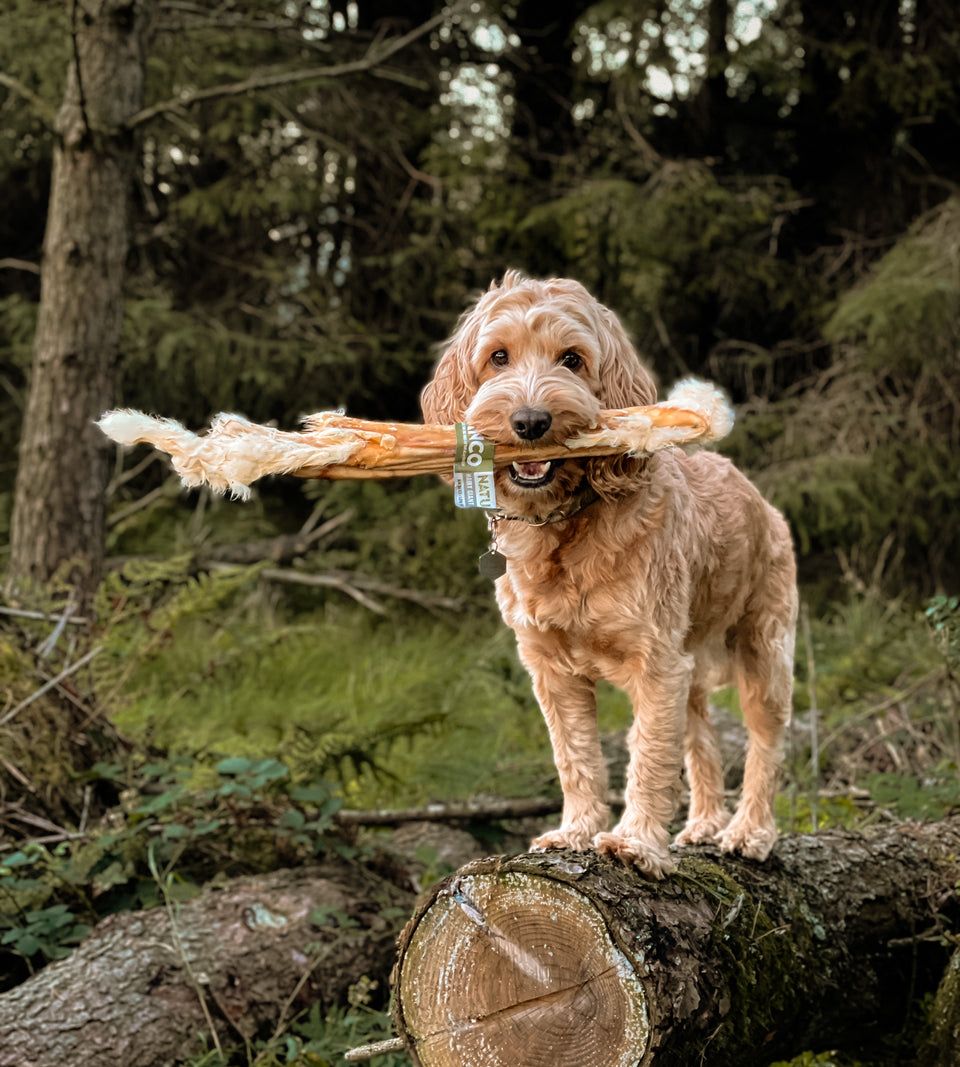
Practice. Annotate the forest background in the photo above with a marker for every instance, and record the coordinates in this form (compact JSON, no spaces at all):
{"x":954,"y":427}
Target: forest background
{"x":765,"y":191}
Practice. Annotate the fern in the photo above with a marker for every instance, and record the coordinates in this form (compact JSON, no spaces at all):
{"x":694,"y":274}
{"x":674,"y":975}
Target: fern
{"x":141,"y":607}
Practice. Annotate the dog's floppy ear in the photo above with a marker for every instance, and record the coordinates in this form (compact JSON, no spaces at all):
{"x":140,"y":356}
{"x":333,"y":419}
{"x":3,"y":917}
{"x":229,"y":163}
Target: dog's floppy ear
{"x":447,"y":396}
{"x":624,"y":381}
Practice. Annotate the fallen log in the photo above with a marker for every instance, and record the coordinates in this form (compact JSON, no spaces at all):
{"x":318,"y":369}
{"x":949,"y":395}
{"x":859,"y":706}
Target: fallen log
{"x":150,"y":988}
{"x":563,"y":959}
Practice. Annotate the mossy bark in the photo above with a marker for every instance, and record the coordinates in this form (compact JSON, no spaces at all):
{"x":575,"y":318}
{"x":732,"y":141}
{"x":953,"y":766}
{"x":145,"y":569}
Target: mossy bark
{"x":730,"y":961}
{"x":942,"y":1045}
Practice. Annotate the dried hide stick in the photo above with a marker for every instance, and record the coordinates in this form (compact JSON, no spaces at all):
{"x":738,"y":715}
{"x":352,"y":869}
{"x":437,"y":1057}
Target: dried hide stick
{"x":235,"y":452}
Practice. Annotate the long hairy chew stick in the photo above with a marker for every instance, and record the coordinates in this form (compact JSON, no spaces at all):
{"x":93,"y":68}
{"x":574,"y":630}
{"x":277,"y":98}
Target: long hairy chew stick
{"x":235,"y":452}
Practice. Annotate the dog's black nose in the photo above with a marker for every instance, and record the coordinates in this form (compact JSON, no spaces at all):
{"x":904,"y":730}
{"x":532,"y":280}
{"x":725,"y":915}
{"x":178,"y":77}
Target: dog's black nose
{"x":530,"y":423}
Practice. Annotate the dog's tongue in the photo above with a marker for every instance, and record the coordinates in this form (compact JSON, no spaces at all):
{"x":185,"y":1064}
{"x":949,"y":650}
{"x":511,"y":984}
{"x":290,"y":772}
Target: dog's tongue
{"x":533,"y":470}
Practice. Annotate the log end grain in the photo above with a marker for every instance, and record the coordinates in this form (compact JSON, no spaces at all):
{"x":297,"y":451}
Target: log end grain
{"x":510,"y":968}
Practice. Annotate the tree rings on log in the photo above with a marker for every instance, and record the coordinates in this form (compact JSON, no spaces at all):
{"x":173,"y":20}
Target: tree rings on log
{"x":561,"y":958}
{"x":508,"y":968}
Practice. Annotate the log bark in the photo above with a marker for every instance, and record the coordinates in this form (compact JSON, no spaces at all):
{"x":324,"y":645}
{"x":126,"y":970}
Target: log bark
{"x":59,"y":506}
{"x":941,"y":1047}
{"x":563,"y":959}
{"x":142,"y":990}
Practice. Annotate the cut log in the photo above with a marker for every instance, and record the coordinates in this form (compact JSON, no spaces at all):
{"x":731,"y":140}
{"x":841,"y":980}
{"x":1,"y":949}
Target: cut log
{"x":235,"y":452}
{"x":143,"y":991}
{"x":564,"y":959}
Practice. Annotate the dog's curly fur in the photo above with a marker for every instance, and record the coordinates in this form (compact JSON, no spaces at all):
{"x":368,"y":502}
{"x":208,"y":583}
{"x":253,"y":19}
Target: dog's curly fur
{"x":674,"y":577}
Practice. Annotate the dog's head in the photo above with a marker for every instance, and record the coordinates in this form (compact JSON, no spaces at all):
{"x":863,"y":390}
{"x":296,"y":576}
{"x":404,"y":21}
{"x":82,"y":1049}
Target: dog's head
{"x":536,"y":361}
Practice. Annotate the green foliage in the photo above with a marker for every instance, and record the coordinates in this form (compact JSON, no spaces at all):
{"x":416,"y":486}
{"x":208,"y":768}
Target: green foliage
{"x":862,"y":458}
{"x":408,"y":533}
{"x":17,"y":324}
{"x":818,"y":1059}
{"x":866,"y":647}
{"x":165,"y":595}
{"x":174,"y":362}
{"x":372,"y":704}
{"x":943,"y":615}
{"x":202,"y":663}
{"x":888,"y":701}
{"x":52,"y":931}
{"x":34,"y":48}
{"x":910,"y":85}
{"x":909,"y":797}
{"x":682,"y":246}
{"x":320,"y":1038}
{"x":178,"y":816}
{"x":905,"y":316}
{"x":18,"y":320}
{"x":795,"y":810}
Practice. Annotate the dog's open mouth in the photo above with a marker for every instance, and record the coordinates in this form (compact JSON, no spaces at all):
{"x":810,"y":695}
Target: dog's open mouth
{"x":534,"y":475}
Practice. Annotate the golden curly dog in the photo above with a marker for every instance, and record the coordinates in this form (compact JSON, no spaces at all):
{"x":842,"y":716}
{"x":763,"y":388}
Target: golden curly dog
{"x":667,"y":575}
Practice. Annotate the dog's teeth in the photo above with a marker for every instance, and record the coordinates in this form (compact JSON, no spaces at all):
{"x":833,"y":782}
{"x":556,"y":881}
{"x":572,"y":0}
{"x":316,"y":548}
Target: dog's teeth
{"x":532,"y":474}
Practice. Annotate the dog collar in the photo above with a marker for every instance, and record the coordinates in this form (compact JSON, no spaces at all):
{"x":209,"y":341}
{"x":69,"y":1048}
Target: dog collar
{"x":493,"y":564}
{"x":567,"y":510}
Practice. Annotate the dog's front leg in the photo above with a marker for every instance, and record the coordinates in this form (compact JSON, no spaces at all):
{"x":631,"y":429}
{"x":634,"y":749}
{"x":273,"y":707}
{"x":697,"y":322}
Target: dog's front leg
{"x":655,"y":741}
{"x":569,"y":705}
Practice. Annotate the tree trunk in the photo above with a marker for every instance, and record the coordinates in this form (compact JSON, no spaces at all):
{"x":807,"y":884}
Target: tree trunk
{"x":715,"y":83}
{"x":543,"y":125}
{"x":256,"y":953}
{"x":58,"y":514}
{"x":564,"y":959}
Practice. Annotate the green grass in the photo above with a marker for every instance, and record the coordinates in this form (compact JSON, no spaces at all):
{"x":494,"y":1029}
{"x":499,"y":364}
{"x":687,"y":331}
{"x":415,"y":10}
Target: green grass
{"x":411,"y":708}
{"x":443,"y":707}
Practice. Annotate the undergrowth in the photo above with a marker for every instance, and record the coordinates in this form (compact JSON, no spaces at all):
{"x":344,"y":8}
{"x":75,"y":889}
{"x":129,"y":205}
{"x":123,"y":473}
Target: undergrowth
{"x":887,"y":706}
{"x":189,"y":821}
{"x":397,"y":710}
{"x":246,"y":723}
{"x":319,"y":1038}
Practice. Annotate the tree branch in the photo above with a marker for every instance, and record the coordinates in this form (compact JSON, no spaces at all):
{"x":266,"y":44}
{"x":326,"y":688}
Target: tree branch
{"x":374,"y":56}
{"x":468,"y":810}
{"x":485,"y":809}
{"x":280,"y":549}
{"x":43,"y":109}
{"x":9,"y":263}
{"x":51,"y":684}
{"x":358,"y":586}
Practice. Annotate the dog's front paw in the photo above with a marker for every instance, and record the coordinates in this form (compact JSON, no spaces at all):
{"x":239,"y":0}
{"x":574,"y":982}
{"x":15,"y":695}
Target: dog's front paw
{"x":649,"y":858}
{"x":703,"y":830}
{"x":750,"y":839}
{"x":569,"y":837}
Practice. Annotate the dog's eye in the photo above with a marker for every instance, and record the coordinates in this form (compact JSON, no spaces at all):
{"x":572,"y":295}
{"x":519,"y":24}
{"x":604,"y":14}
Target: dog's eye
{"x":571,"y":361}
{"x":500,"y":358}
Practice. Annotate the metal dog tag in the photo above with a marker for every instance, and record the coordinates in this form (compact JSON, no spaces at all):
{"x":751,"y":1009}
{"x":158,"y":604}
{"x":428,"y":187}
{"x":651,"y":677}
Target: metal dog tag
{"x":492,"y":565}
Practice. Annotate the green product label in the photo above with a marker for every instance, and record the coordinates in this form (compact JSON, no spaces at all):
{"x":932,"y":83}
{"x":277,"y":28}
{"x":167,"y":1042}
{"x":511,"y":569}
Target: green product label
{"x":473,"y":470}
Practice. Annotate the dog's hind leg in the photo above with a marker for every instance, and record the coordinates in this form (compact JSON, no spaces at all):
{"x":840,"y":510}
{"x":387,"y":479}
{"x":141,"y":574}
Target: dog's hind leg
{"x":707,"y":815}
{"x":765,"y":680}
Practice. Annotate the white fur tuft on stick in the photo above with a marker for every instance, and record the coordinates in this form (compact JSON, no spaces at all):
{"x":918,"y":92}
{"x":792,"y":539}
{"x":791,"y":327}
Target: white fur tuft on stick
{"x":235,"y":452}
